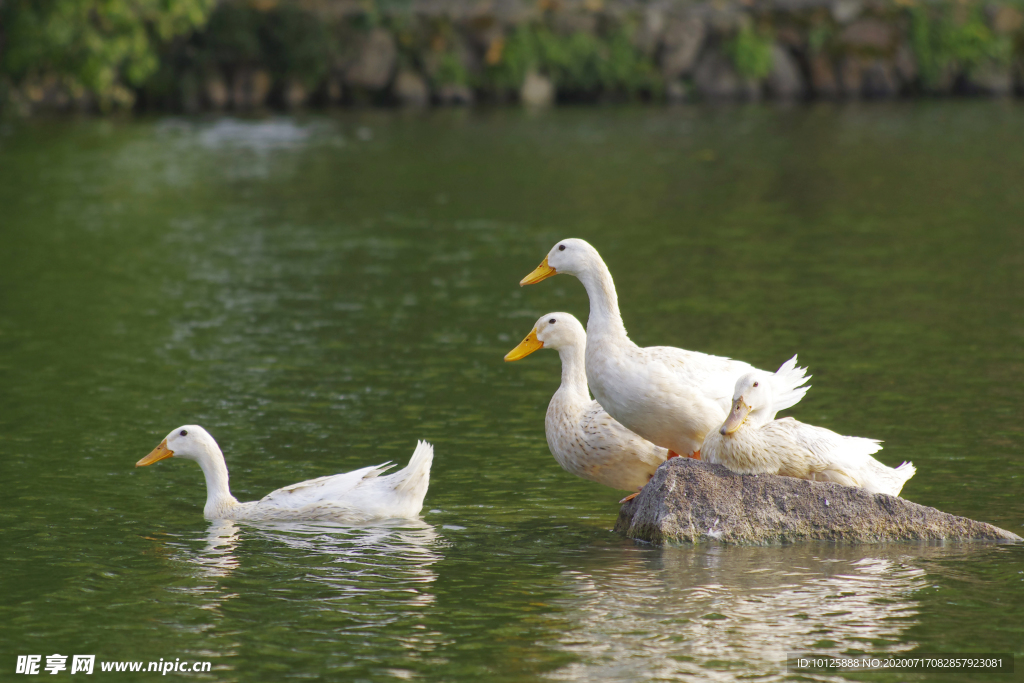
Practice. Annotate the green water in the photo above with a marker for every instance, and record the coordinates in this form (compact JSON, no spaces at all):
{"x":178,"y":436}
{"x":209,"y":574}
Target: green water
{"x":321,"y":292}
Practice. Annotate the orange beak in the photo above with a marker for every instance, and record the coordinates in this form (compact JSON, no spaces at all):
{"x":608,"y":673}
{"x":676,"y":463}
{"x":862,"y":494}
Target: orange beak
{"x":525,"y":348}
{"x":541,"y":272}
{"x":159,"y":453}
{"x":737,"y":416}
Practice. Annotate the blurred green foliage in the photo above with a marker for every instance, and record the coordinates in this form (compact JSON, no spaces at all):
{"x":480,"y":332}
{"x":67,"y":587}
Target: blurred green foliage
{"x":450,"y":70}
{"x":579,"y":63}
{"x":751,"y":52}
{"x":292,"y":43}
{"x":191,"y":53}
{"x":948,"y":38}
{"x":92,"y":48}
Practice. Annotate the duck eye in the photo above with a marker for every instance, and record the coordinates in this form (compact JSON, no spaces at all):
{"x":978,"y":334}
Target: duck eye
{"x":755,"y":384}
{"x":183,"y":432}
{"x":552,"y":321}
{"x":561,"y":247}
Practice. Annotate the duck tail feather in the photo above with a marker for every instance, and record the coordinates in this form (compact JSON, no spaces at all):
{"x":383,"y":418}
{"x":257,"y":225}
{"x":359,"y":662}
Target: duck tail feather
{"x":906,"y":471}
{"x":418,"y":469}
{"x":787,"y":389}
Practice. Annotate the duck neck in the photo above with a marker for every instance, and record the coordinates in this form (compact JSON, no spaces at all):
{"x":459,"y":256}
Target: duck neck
{"x":760,"y":416}
{"x":605,"y":319}
{"x":218,"y":494}
{"x":574,"y":375}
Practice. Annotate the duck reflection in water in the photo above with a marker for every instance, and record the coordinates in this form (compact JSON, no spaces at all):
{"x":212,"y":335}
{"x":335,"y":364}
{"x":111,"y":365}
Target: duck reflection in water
{"x":390,"y":555}
{"x":218,"y":557}
{"x":724,"y":611}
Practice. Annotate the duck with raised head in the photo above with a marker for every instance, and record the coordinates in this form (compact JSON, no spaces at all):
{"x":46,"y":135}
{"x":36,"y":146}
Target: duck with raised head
{"x":355,"y":496}
{"x":749,"y":441}
{"x":670,"y":396}
{"x":586,"y":440}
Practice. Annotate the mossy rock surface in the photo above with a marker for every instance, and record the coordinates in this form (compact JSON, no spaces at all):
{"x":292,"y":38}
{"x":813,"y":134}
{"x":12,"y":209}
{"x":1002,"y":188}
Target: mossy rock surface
{"x":688,"y":501}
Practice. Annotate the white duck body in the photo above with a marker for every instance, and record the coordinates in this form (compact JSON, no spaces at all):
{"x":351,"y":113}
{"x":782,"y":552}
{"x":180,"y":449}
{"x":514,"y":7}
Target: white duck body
{"x":355,"y":496}
{"x":582,"y":436}
{"x":669,"y":396}
{"x":750,"y":442}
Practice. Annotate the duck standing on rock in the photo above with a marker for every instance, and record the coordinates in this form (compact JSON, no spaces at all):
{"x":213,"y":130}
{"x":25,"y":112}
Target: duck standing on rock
{"x":750,"y":441}
{"x":669,"y":396}
{"x":585,"y":439}
{"x":354,"y":496}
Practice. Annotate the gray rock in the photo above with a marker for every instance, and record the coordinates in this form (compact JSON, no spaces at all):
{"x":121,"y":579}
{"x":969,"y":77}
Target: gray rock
{"x":46,"y":93}
{"x":992,"y":79}
{"x":717,"y":79}
{"x":1005,"y":19}
{"x":648,"y":34}
{"x":513,"y":11}
{"x":879,"y":79}
{"x":335,"y":90}
{"x":944,"y":82}
{"x":295,"y":94}
{"x":906,"y":64}
{"x":851,"y":76}
{"x":824,"y":81}
{"x":454,"y":93}
{"x":724,"y":19}
{"x":845,"y":11}
{"x":868,"y":34}
{"x":682,"y":42}
{"x":785,"y":82}
{"x":689,"y":501}
{"x":411,"y":89}
{"x":868,"y":77}
{"x":216,"y":91}
{"x":537,"y":91}
{"x":249,"y":88}
{"x":676,"y":92}
{"x":191,"y":97}
{"x":375,"y":61}
{"x":791,"y":36}
{"x":579,"y":21}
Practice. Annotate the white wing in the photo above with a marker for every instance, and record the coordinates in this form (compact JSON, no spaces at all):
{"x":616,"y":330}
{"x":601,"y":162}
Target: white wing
{"x":832,"y":457}
{"x":323,"y":489}
{"x":714,"y":376}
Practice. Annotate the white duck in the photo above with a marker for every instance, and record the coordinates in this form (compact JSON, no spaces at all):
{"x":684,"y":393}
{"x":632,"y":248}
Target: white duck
{"x":751,"y":442}
{"x":669,"y":396}
{"x":353,"y":496}
{"x":584,"y":439}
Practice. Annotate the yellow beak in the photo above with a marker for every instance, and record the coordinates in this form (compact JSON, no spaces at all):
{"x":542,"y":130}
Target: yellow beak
{"x":156,"y":455}
{"x":737,"y":416}
{"x":526,"y":347}
{"x":541,"y":272}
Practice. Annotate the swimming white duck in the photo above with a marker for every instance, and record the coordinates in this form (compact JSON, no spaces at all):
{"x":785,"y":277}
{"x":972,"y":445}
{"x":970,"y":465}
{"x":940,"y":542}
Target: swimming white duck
{"x":751,"y":442}
{"x":584,"y":439}
{"x":353,"y":496}
{"x":669,"y":396}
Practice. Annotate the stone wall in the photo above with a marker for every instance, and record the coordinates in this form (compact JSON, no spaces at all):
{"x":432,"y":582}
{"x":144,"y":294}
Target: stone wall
{"x":256,"y":53}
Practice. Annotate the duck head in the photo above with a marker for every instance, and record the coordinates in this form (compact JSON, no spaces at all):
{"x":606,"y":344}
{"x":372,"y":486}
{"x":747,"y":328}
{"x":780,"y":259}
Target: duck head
{"x":191,"y":442}
{"x":751,"y":399}
{"x":552,"y":331}
{"x":569,"y":256}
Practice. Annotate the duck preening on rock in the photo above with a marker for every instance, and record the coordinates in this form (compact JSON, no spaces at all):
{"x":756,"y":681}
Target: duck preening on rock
{"x":751,"y":442}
